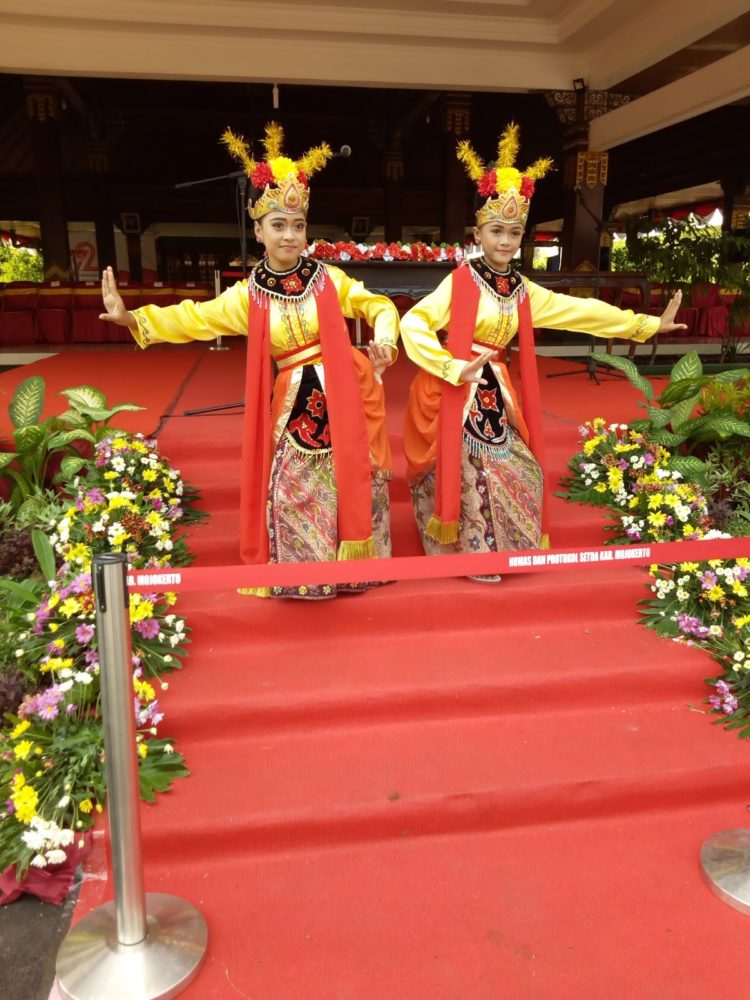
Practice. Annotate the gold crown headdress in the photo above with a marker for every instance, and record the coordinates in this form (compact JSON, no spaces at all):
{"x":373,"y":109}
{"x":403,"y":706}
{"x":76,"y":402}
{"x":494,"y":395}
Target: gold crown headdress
{"x":508,"y":190}
{"x":282,"y":181}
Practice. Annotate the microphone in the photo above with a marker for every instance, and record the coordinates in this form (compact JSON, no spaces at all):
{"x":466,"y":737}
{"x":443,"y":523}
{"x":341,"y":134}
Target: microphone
{"x":344,"y":152}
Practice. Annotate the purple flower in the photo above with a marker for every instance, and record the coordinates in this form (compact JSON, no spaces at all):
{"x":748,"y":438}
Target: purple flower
{"x":622,"y":464}
{"x":95,"y":495}
{"x":84,"y":634}
{"x":648,"y":458}
{"x":10,"y":807}
{"x":723,"y":688}
{"x":707,"y":579}
{"x":730,"y":704}
{"x":148,"y":628}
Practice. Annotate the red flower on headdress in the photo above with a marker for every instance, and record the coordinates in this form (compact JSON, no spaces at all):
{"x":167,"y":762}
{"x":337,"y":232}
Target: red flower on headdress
{"x":302,"y":178}
{"x":487,"y":185}
{"x":527,"y":188}
{"x":261,"y":176}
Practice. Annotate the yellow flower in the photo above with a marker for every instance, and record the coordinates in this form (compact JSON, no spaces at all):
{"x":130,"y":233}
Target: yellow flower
{"x":25,"y":802}
{"x":591,"y":445}
{"x":119,"y":537}
{"x":119,"y":501}
{"x":509,"y":177}
{"x":79,"y":553}
{"x":742,"y":621}
{"x":119,"y":443}
{"x":655,"y":500}
{"x":140,"y":609}
{"x":99,"y":807}
{"x":658,"y":519}
{"x":53,"y":626}
{"x":614,"y":477}
{"x":22,"y":750}
{"x":86,"y":806}
{"x":715,"y":594}
{"x":739,"y":588}
{"x":281,"y":167}
{"x":633,"y":502}
{"x":601,"y":487}
{"x":20,"y":728}
{"x":689,"y":567}
{"x":171,"y":598}
{"x":111,"y":474}
{"x":142,"y":749}
{"x":150,"y":475}
{"x":53,"y":600}
{"x":70,"y":606}
{"x":143,"y":689}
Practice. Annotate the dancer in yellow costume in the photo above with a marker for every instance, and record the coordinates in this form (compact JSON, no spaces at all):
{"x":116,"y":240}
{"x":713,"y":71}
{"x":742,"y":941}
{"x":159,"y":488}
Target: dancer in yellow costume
{"x":474,"y":450}
{"x":316,"y":458}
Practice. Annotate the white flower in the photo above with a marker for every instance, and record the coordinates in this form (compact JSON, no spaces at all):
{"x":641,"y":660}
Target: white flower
{"x":33,"y":840}
{"x":738,"y":656}
{"x":66,"y":838}
{"x":66,"y":685}
{"x":63,"y":802}
{"x":39,"y":861}
{"x":165,"y":685}
{"x":83,"y":678}
{"x":168,"y":748}
{"x":56,"y":857}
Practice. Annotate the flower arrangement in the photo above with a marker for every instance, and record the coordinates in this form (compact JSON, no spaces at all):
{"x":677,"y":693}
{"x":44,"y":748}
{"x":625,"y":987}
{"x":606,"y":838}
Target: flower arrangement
{"x":51,"y":770}
{"x":703,"y":604}
{"x":419,"y":252}
{"x":131,"y":501}
{"x":126,"y":498}
{"x":649,"y":500}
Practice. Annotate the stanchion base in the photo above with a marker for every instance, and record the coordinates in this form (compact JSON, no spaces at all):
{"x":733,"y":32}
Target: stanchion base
{"x":725,"y":860}
{"x":92,"y":965}
{"x":219,"y":347}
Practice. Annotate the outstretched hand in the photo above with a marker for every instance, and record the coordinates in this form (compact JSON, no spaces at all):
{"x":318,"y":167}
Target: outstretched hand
{"x":381,"y":356}
{"x":472,"y":370}
{"x":116,"y":311}
{"x":666,"y":322}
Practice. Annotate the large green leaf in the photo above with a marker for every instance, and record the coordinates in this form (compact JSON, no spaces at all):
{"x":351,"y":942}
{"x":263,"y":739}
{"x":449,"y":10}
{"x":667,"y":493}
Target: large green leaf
{"x":716,"y":426}
{"x":692,"y":469}
{"x":62,"y":438}
{"x":126,"y":406}
{"x":69,"y":466}
{"x":667,"y":438}
{"x":96,"y":414}
{"x":83,"y":397}
{"x":659,"y":417}
{"x":732,"y":375}
{"x":626,"y":366}
{"x":6,"y":457}
{"x":681,"y":412}
{"x":72,"y":418}
{"x":27,"y":403}
{"x":44,"y":553}
{"x":689,"y":366}
{"x":28,"y":438}
{"x":30,"y":511}
{"x":675,"y":392}
{"x":25,"y":591}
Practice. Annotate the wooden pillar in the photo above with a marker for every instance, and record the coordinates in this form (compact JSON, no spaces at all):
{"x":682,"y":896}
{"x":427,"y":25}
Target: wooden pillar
{"x":102,"y":194}
{"x":393,"y":223}
{"x":43,"y":109}
{"x":584,"y":173}
{"x":455,"y":207}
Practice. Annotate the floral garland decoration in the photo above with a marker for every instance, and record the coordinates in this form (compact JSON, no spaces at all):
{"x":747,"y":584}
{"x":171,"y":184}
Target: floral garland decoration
{"x":417,"y":252}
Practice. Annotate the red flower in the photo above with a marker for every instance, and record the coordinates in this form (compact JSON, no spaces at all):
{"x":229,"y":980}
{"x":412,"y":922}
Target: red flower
{"x":488,"y":184}
{"x":527,"y":188}
{"x":261,"y":176}
{"x":488,"y":399}
{"x":292,"y":284}
{"x":302,"y":178}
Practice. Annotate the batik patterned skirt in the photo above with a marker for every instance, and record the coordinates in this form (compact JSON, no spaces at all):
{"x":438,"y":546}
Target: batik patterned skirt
{"x":501,"y":499}
{"x":303,"y":499}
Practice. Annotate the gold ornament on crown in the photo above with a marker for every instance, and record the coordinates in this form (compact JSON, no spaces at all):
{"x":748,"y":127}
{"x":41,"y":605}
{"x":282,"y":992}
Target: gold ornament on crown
{"x":507,"y":189}
{"x":284,"y":182}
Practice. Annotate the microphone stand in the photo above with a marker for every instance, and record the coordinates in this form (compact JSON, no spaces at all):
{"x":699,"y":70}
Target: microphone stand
{"x":589,"y":365}
{"x":241,"y":197}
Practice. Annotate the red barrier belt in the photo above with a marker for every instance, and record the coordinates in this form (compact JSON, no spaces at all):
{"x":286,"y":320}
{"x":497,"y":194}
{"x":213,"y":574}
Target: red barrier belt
{"x":433,"y":567}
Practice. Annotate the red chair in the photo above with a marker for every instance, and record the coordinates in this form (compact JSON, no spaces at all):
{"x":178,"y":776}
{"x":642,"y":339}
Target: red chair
{"x":87,"y":304}
{"x":53,"y":320}
{"x":19,"y":308}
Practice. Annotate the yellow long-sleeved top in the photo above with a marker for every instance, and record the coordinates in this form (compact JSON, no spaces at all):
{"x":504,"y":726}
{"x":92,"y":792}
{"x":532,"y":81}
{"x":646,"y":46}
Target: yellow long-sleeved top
{"x":294,"y":321}
{"x":496,"y":327}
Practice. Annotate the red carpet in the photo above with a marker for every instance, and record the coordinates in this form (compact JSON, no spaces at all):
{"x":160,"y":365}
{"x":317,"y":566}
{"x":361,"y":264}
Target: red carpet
{"x":440,"y":790}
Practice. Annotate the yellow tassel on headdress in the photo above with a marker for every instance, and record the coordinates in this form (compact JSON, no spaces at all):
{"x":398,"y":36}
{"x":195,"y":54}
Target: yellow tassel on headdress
{"x":539,"y":168}
{"x":315,"y":159}
{"x":508,"y":146}
{"x":470,"y":159}
{"x":444,"y":532}
{"x":239,"y":149}
{"x":274,"y":140}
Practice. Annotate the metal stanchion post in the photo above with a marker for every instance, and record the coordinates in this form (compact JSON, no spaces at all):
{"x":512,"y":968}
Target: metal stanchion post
{"x":218,"y":344}
{"x":138,"y":947}
{"x":725,"y":860}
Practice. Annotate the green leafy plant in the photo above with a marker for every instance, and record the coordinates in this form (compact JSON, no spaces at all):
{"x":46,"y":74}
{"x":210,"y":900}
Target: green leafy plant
{"x":52,"y":450}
